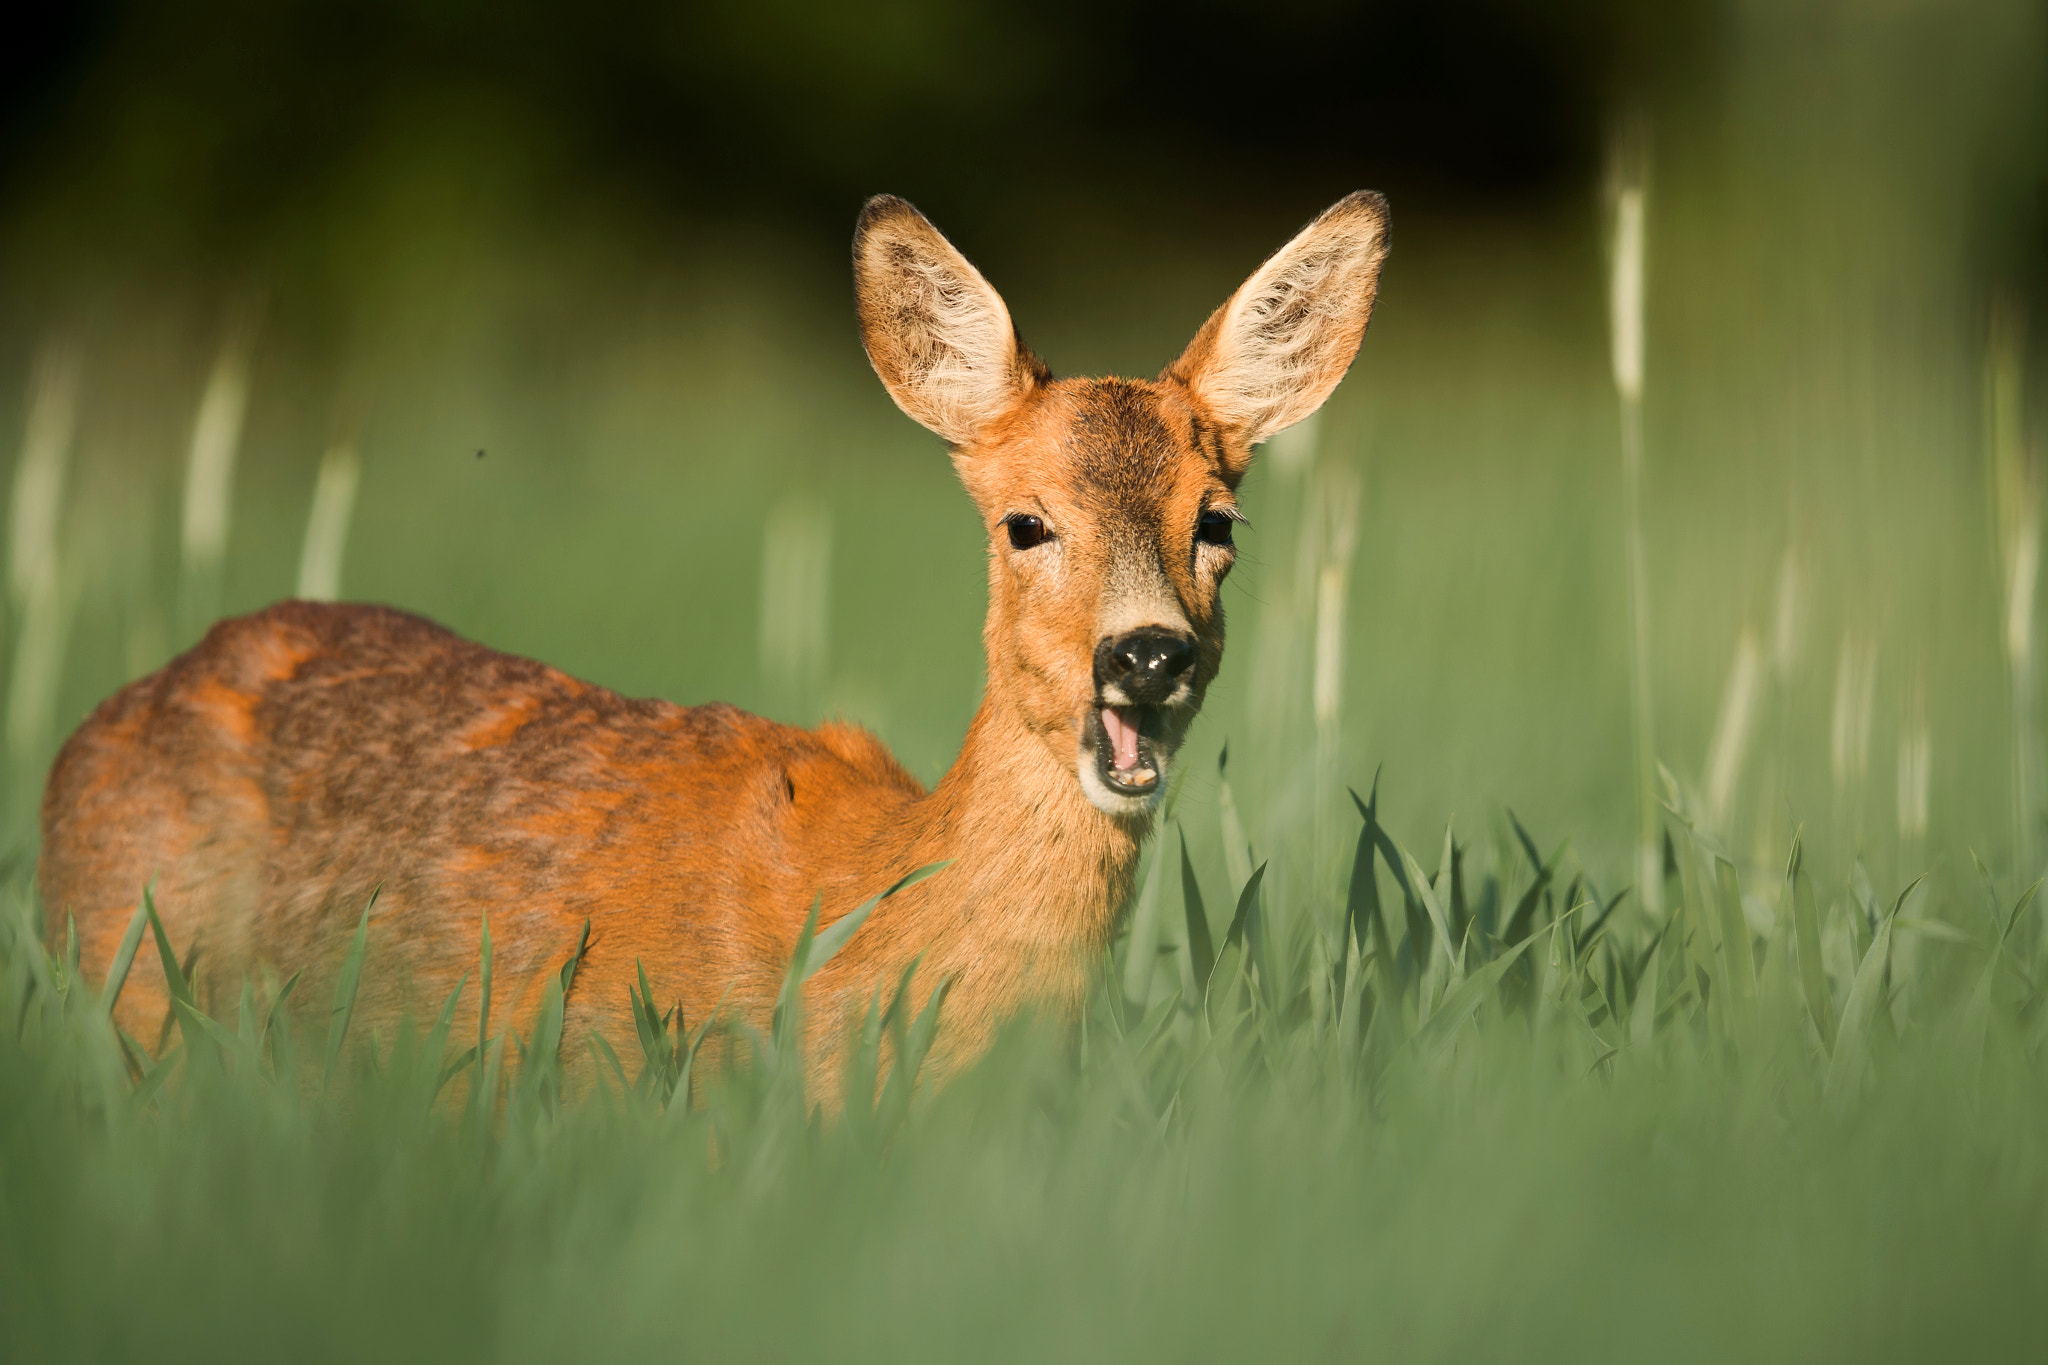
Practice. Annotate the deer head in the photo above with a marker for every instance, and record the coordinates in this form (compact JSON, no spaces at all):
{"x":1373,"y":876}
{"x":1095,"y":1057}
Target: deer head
{"x":1110,"y":504}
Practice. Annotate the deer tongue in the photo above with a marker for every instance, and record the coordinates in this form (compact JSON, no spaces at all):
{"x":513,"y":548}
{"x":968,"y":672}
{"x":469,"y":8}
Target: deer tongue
{"x":1123,"y":739}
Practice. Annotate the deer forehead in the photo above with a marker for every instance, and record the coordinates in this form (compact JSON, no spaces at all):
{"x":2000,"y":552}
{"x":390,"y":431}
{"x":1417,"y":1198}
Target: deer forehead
{"x":1116,"y":460}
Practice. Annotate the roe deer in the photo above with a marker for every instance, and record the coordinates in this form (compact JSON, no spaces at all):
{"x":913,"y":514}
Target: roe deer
{"x":270,"y":778}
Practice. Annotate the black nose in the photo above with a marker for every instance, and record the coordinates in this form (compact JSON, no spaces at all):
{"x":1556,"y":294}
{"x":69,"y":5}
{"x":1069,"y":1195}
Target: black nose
{"x":1145,"y":665}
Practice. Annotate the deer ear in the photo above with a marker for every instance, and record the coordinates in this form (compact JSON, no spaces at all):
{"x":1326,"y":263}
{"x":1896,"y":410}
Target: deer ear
{"x":935,"y":331}
{"x":1273,"y":352}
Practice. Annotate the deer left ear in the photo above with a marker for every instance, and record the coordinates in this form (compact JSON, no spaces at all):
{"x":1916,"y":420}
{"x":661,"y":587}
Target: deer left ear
{"x":936,"y":332}
{"x":1276,"y":349}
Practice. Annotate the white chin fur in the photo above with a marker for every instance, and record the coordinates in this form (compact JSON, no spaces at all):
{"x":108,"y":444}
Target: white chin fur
{"x":1114,"y":802}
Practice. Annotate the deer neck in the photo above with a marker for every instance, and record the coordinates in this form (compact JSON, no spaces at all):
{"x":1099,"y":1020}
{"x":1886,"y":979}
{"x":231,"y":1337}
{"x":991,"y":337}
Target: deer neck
{"x":1049,"y":868}
{"x":1037,"y":879}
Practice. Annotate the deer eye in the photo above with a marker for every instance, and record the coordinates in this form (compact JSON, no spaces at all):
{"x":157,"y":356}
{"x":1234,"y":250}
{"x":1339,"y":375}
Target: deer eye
{"x":1213,"y":528}
{"x":1025,"y":531}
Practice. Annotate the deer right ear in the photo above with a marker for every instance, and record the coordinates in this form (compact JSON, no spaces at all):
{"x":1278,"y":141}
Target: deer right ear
{"x":935,"y":331}
{"x":1273,"y":352}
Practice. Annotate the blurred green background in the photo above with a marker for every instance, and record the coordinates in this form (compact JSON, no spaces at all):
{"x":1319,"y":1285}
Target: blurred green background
{"x":537,"y":319}
{"x":572,"y":284}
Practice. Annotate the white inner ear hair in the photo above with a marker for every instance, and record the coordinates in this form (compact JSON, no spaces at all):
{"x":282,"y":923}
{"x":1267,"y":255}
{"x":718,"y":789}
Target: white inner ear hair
{"x":1290,"y":334}
{"x":958,"y":348}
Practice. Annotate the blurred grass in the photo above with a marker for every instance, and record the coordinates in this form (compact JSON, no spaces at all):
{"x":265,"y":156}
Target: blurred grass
{"x":576,"y":421}
{"x":1597,"y":1143}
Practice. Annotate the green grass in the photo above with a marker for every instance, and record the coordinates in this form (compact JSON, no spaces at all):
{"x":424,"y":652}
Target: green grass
{"x":1473,"y":1102}
{"x":1592,"y":1141}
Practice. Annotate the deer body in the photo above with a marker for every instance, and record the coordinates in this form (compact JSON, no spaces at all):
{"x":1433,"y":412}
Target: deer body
{"x":296,"y":760}
{"x":693,"y":839}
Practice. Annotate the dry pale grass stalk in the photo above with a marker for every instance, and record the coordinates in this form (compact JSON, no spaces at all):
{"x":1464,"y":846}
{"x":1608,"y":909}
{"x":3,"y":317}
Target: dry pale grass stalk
{"x":1292,"y":453}
{"x":1625,"y":290}
{"x":1849,"y":730}
{"x":39,"y":475}
{"x":210,"y":466}
{"x":36,"y":577}
{"x":1283,"y":649}
{"x":1338,"y":496}
{"x":1732,"y":728}
{"x":1916,"y":768}
{"x":334,"y":500}
{"x":1785,"y":641}
{"x":796,"y":598}
{"x":1628,"y":190}
{"x":1340,"y":500}
{"x":1785,"y":617}
{"x":210,"y":480}
{"x":38,"y":667}
{"x":2016,"y":513}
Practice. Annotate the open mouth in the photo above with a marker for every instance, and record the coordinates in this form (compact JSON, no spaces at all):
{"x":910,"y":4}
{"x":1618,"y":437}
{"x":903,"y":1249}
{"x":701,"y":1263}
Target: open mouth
{"x":1130,"y":753}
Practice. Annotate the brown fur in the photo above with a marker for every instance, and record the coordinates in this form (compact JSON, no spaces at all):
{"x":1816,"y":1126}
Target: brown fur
{"x":269,"y":779}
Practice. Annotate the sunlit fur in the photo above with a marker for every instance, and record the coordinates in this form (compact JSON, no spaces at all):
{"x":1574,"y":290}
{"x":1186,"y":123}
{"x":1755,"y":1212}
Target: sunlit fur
{"x":939,"y":335}
{"x":1272,"y":354}
{"x":295,"y":761}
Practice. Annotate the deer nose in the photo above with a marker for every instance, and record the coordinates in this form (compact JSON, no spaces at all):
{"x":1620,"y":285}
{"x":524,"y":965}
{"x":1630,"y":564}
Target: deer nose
{"x":1145,"y":665}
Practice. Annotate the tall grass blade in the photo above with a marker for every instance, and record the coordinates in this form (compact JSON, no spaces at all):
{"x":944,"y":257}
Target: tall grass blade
{"x":657,"y":1060}
{"x":278,"y":1030}
{"x":1140,"y":959}
{"x":195,"y":1024}
{"x":1642,"y":1020}
{"x":537,"y":1073}
{"x":437,"y":1037}
{"x":896,"y":1018}
{"x":1462,"y":1000}
{"x":1431,"y":905}
{"x":153,"y":1080}
{"x":483,"y":999}
{"x":124,"y":956}
{"x":864,"y":1069}
{"x":245,"y":1019}
{"x":1740,"y":958}
{"x":461,"y":1063}
{"x":345,"y":994}
{"x":1362,"y":899}
{"x":829,"y":940}
{"x":679,"y":1097}
{"x":1813,"y":979}
{"x":1201,"y":954}
{"x":607,"y":1056}
{"x":1237,"y":852}
{"x":785,"y":1026}
{"x":1860,"y":1015}
{"x":575,"y":958}
{"x":174,"y":976}
{"x":1244,"y":921}
{"x":896,"y":1091}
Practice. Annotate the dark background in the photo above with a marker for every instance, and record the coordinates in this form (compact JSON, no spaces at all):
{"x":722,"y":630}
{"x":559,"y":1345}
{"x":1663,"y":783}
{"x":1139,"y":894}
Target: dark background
{"x":798,"y":110}
{"x":607,"y":242}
